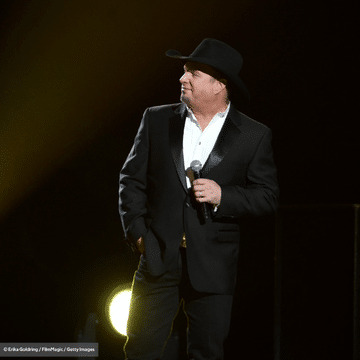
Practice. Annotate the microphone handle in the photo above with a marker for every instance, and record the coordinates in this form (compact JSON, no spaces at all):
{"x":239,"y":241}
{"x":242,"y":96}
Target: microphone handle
{"x":204,"y":208}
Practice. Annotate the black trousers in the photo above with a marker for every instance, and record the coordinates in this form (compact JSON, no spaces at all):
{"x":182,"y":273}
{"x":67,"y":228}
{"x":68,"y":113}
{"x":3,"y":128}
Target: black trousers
{"x":155,"y":303}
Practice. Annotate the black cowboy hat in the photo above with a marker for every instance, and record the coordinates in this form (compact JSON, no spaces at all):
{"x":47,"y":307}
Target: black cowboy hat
{"x":220,"y":56}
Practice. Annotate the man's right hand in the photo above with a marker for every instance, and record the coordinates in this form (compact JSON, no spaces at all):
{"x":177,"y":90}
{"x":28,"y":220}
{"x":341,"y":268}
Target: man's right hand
{"x":140,"y":245}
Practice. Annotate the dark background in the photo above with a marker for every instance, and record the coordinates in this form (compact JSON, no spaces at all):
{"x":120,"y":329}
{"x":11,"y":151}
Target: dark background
{"x":75,"y":78}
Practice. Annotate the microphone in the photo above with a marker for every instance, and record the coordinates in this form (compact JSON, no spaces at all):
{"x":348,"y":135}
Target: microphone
{"x":196,"y":166}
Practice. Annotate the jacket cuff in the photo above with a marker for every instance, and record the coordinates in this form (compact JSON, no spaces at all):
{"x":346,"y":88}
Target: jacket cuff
{"x":136,"y":230}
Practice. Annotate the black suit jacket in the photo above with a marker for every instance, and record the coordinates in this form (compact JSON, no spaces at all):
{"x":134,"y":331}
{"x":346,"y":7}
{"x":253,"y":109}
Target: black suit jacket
{"x":156,"y":204}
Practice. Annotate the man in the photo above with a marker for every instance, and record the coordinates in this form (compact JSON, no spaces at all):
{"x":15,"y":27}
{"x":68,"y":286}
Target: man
{"x":187,"y":230}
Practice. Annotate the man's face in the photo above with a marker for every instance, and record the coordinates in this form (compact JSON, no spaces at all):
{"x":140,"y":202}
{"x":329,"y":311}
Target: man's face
{"x":196,"y":86}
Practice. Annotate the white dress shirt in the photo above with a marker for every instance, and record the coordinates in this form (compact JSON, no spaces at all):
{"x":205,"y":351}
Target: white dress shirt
{"x":197,"y":144}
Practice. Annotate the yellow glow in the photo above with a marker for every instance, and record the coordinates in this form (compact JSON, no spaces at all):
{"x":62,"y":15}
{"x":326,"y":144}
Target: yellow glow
{"x":119,"y":311}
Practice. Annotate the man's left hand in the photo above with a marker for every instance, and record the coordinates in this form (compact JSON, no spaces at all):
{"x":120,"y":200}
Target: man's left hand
{"x":206,"y":190}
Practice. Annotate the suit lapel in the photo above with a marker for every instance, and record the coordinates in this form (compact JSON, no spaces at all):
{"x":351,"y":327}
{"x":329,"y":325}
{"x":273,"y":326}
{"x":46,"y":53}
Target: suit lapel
{"x":176,"y":131}
{"x":228,"y":134}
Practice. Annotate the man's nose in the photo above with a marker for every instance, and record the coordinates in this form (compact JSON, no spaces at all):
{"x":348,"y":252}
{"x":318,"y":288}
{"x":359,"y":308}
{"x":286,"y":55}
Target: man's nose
{"x":183,"y":79}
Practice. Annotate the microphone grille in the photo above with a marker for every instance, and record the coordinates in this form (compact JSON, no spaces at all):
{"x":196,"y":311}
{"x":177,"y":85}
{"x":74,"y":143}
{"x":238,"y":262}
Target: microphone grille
{"x":195,"y":165}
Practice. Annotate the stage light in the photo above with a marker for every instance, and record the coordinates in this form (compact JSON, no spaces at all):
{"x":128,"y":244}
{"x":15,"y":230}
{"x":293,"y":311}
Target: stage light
{"x":118,"y":309}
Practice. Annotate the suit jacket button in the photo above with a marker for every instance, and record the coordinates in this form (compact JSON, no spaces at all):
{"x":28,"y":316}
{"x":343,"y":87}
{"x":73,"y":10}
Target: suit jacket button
{"x":187,"y":205}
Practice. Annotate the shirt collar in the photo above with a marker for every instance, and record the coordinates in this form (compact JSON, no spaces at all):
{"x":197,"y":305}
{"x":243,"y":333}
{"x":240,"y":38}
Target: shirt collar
{"x":191,"y":115}
{"x":224,"y":114}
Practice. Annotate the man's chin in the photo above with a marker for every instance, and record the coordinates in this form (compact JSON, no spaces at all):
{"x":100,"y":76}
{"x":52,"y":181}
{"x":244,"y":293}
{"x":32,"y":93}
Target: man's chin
{"x":185,"y":99}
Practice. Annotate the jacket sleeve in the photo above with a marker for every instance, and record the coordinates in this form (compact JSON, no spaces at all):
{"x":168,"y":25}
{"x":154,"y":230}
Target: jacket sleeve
{"x":260,"y":194}
{"x":133,"y":184}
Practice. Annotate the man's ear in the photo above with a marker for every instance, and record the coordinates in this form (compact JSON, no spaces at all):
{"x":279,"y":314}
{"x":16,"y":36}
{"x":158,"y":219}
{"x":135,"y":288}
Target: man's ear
{"x":220,"y":85}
